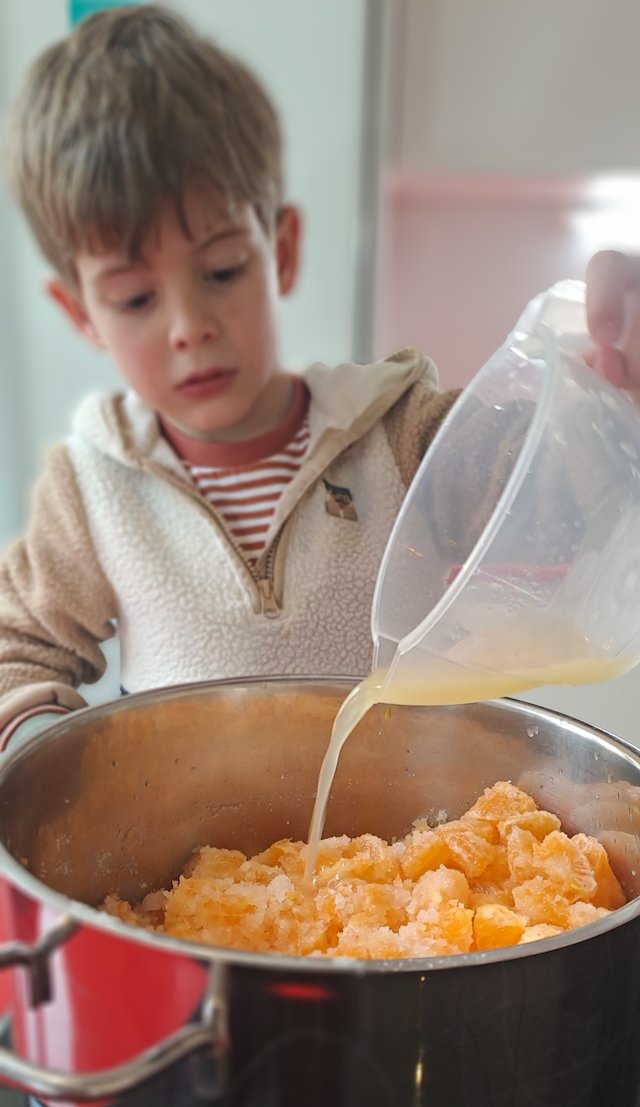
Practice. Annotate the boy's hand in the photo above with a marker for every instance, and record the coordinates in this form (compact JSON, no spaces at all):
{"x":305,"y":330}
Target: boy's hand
{"x":613,"y":316}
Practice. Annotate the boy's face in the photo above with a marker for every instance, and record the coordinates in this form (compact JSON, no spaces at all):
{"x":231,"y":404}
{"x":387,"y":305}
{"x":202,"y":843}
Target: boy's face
{"x":192,"y":324}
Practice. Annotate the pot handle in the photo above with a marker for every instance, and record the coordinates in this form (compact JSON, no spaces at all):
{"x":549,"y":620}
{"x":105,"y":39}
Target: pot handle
{"x":35,"y":958}
{"x":210,"y":1032}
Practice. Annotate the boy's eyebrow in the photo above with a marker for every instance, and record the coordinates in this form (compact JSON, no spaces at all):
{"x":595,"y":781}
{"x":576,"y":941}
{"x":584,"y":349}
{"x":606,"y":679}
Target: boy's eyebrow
{"x":117,"y":270}
{"x":129,"y":265}
{"x":228,"y":232}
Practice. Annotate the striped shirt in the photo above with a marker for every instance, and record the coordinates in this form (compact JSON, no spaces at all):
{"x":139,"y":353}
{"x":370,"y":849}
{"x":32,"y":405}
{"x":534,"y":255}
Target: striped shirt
{"x":245,"y":480}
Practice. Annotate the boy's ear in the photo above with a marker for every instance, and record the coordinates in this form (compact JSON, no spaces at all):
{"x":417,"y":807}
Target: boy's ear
{"x":288,"y":235}
{"x":73,"y":308}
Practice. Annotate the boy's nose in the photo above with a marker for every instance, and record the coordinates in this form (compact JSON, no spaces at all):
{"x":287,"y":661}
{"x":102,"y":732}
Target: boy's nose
{"x":191,"y":327}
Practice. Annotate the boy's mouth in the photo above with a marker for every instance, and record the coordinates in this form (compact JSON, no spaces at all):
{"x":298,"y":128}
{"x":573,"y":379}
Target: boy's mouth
{"x":209,"y":382}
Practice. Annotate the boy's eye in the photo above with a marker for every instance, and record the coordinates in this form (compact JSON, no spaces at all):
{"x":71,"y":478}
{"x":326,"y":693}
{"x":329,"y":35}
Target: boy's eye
{"x":223,"y":276}
{"x":135,"y":303}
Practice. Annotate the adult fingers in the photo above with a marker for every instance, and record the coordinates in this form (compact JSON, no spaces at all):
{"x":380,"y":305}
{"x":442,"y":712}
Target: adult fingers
{"x":608,"y":279}
{"x":613,"y":317}
{"x":612,"y":364}
{"x":630,"y":344}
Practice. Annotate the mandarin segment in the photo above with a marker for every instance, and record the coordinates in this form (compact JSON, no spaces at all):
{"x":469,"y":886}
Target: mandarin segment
{"x":493,"y":885}
{"x":562,"y":861}
{"x":500,"y":802}
{"x":425,"y":851}
{"x":446,"y":929}
{"x":357,"y":940}
{"x":608,"y":892}
{"x":469,"y":845}
{"x":211,"y":862}
{"x":435,"y":889}
{"x":581,"y":914}
{"x":122,"y":910}
{"x":489,"y":893}
{"x":538,"y":932}
{"x":363,"y":858}
{"x":495,"y":925}
{"x":538,"y":823}
{"x":541,"y":902}
{"x":285,"y":855}
{"x":520,"y":854}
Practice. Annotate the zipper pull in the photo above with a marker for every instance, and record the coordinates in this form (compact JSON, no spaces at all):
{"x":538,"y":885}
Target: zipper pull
{"x":270,"y":606}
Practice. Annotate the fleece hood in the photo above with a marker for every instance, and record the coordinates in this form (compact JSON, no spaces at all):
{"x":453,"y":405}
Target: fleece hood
{"x":347,"y":398}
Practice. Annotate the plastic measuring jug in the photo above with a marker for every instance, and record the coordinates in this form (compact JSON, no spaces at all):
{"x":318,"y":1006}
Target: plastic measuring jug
{"x":515,"y":559}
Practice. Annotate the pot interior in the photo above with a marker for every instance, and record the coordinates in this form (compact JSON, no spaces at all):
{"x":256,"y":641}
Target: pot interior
{"x":114,"y":798}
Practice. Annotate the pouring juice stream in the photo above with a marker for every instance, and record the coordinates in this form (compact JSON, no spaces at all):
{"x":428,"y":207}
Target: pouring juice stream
{"x":441,"y":682}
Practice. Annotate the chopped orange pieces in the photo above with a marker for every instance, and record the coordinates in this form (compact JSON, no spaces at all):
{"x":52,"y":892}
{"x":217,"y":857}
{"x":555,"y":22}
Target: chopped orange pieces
{"x":501,"y":802}
{"x":608,"y":893}
{"x":496,"y":925}
{"x":468,"y":844}
{"x":425,"y":851}
{"x":504,"y":874}
{"x":541,"y":930}
{"x":538,"y":823}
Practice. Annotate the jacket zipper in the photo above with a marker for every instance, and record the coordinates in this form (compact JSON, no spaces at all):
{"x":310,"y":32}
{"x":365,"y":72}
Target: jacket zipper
{"x":261,"y":581}
{"x":270,"y":605}
{"x":265,"y":577}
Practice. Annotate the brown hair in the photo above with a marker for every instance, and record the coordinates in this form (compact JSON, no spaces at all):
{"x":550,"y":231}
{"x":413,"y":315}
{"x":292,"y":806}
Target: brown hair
{"x":125,"y":114}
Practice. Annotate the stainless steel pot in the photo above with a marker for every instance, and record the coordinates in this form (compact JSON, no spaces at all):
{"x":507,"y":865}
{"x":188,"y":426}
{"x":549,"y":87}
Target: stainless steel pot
{"x":115,"y":798}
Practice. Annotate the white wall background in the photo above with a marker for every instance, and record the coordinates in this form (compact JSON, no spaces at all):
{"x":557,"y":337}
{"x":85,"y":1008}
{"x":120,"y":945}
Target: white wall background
{"x":516,"y":85}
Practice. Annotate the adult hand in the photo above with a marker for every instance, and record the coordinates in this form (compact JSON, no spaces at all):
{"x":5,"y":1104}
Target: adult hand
{"x":613,"y":317}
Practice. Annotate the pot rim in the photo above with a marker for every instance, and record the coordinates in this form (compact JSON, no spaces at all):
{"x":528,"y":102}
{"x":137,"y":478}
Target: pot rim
{"x":95,"y":919}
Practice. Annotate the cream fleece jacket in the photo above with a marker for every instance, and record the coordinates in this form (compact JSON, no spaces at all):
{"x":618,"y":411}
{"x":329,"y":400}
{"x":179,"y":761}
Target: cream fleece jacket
{"x":122,"y":542}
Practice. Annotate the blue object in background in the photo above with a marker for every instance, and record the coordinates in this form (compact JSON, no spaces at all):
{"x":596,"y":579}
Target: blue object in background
{"x":80,"y":9}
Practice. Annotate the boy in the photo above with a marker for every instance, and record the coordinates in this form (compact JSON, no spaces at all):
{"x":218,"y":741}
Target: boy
{"x":225,"y":516}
